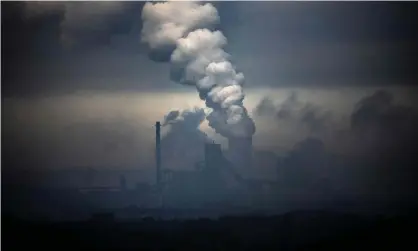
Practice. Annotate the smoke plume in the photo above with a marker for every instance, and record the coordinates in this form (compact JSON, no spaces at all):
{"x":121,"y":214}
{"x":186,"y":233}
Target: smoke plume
{"x":170,"y":117}
{"x":183,"y":33}
{"x":312,"y":117}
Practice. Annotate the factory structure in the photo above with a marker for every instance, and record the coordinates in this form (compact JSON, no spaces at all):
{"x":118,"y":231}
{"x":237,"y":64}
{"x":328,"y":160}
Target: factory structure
{"x":216,"y":182}
{"x":220,"y":183}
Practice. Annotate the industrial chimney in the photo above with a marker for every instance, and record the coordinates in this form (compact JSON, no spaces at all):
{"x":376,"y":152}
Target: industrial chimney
{"x":158,"y":152}
{"x":240,"y":153}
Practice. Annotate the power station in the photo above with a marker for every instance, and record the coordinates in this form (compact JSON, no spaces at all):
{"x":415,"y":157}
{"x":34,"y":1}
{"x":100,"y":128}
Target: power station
{"x":217,"y":181}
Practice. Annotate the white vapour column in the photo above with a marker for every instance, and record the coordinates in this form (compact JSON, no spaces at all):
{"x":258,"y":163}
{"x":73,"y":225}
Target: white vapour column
{"x":183,"y":33}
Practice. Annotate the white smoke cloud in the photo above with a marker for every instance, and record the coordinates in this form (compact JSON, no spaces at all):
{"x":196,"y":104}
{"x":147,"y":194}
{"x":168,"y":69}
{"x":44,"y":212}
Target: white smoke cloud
{"x":165,"y":23}
{"x":201,"y":42}
{"x":196,"y":51}
{"x":183,"y":29}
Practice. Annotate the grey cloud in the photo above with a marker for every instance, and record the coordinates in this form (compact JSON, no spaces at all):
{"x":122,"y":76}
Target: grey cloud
{"x":78,"y":18}
{"x":383,"y":125}
{"x":35,"y":9}
{"x":372,"y":158}
{"x":378,"y":160}
{"x":170,"y":117}
{"x":187,"y":119}
{"x":292,"y":109}
{"x":265,"y":107}
{"x":377,"y":122}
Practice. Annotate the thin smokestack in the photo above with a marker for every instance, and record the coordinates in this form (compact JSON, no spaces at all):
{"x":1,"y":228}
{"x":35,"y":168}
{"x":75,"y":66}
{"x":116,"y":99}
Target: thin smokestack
{"x":158,"y":151}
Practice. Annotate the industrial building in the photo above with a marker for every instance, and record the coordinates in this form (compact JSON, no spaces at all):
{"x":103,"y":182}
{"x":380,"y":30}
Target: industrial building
{"x":216,"y":183}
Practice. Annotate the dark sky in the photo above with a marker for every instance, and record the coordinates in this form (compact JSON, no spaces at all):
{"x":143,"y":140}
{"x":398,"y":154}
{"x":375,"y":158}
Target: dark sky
{"x":65,"y":47}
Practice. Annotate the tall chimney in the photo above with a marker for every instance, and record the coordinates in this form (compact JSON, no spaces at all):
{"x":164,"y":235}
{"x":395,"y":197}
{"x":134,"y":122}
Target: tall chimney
{"x":158,"y":151}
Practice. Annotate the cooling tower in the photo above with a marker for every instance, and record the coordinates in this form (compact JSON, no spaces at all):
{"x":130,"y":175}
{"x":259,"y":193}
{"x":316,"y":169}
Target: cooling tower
{"x":213,"y":155}
{"x":240,"y":152}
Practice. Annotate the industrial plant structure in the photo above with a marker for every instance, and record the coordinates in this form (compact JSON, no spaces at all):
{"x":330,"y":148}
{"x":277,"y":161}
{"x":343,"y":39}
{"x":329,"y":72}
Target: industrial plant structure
{"x":218,"y":183}
{"x":215,"y":182}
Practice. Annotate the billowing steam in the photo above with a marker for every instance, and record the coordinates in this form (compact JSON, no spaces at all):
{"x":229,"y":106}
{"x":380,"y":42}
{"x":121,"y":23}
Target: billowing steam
{"x":182,"y":33}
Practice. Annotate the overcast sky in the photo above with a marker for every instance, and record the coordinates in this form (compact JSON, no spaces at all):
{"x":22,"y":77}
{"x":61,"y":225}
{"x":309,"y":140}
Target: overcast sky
{"x":65,"y":47}
{"x":78,"y":88}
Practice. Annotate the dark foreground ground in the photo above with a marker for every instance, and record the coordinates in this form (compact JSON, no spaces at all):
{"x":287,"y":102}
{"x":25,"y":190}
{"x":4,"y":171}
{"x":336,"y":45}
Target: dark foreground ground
{"x":293,"y":231}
